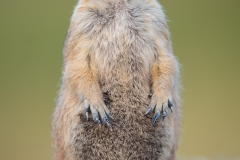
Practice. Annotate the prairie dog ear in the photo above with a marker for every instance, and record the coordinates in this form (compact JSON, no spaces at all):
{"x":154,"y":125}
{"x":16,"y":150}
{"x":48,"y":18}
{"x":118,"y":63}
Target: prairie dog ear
{"x":135,"y":3}
{"x":94,"y":4}
{"x":84,"y":1}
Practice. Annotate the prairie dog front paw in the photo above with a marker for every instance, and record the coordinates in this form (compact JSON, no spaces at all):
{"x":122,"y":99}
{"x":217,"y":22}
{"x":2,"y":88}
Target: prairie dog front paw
{"x":98,"y":108}
{"x":162,"y":103}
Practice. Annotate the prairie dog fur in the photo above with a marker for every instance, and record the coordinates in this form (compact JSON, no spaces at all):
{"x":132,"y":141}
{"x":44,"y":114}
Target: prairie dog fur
{"x":117,"y":52}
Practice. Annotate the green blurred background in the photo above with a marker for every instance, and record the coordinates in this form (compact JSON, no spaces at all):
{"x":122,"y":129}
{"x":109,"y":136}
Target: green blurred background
{"x":205,"y":35}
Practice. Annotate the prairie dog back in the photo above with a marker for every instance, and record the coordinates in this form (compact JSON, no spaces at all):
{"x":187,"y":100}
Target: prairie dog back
{"x":116,"y":54}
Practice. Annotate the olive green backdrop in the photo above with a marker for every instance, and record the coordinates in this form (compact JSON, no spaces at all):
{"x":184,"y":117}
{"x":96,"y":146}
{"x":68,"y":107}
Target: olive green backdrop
{"x":206,"y":40}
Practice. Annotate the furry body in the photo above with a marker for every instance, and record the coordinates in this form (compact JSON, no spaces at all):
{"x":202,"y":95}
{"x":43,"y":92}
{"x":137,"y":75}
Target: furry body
{"x":120,"y":51}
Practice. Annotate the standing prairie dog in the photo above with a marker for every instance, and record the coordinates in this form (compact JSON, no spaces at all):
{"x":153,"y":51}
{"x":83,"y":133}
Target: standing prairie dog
{"x":116,"y":54}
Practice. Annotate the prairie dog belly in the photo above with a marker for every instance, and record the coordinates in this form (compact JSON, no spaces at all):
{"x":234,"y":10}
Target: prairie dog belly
{"x":124,"y":63}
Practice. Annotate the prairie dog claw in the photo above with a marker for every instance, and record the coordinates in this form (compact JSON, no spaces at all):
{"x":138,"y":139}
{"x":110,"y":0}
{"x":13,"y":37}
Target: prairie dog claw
{"x":111,"y":116}
{"x":161,"y":109}
{"x":155,"y":117}
{"x":148,"y":111}
{"x":96,"y":110}
{"x":105,"y":119}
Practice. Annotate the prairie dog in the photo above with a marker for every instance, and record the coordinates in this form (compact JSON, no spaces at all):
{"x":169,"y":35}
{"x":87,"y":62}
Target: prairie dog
{"x":116,"y":54}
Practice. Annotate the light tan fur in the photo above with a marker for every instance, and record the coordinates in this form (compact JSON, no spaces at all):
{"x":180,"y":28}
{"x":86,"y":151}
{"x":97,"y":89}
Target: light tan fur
{"x":120,"y":51}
